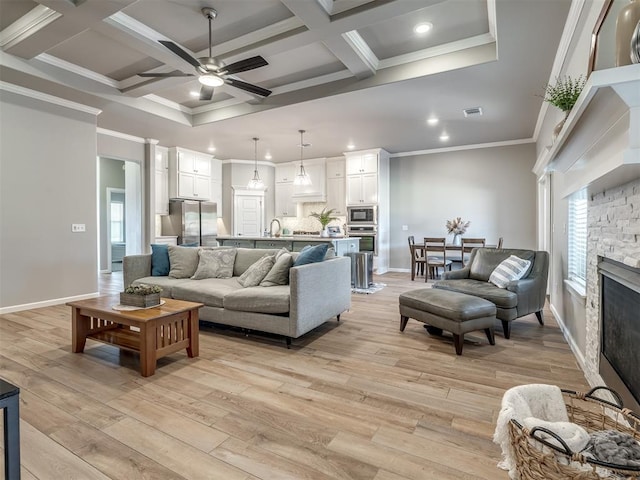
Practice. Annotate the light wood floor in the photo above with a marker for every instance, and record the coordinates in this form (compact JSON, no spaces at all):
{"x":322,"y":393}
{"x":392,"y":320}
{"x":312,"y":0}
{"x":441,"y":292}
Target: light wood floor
{"x":351,"y":400}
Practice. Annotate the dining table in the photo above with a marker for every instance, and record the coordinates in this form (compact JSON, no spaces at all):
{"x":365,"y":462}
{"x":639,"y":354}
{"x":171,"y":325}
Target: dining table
{"x":418,"y":249}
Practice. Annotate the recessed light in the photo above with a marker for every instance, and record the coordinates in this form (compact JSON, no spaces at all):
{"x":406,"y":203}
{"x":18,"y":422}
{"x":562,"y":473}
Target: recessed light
{"x":351,"y":146}
{"x":268,"y":156}
{"x":444,"y":137}
{"x":211,"y":149}
{"x":423,"y":28}
{"x":432,"y":121}
{"x":193,"y":93}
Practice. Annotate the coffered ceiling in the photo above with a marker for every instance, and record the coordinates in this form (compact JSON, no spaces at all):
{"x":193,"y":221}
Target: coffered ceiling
{"x":347,"y":71}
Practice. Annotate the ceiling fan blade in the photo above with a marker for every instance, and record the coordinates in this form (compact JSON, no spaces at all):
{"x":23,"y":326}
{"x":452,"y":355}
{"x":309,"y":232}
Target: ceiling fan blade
{"x":248,"y":87}
{"x":245,"y":65}
{"x":181,"y":53}
{"x":206,"y":93}
{"x":162,"y":75}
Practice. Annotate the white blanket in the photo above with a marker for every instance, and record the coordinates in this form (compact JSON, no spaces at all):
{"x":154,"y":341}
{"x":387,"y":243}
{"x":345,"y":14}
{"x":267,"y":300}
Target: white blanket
{"x":543,"y":402}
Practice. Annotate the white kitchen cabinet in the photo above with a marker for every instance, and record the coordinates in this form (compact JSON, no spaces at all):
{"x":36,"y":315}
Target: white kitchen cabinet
{"x":285,"y":205}
{"x":162,"y":181}
{"x":359,"y":163}
{"x":189,"y":174}
{"x":316,"y":192}
{"x":285,"y":172}
{"x":336,"y":188}
{"x":362,"y":189}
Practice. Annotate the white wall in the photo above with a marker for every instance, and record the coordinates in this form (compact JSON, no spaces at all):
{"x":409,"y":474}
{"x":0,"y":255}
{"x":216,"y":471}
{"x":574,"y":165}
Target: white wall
{"x":493,"y":188}
{"x":47,"y":182}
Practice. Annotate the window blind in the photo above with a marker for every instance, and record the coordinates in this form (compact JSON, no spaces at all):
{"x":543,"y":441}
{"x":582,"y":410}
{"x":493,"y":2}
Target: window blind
{"x":577,"y":237}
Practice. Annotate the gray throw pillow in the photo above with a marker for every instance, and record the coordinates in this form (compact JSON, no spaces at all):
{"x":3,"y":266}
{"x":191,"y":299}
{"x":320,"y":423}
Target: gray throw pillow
{"x":279,"y":273}
{"x":183,"y":261}
{"x":256,"y":272}
{"x":216,"y":263}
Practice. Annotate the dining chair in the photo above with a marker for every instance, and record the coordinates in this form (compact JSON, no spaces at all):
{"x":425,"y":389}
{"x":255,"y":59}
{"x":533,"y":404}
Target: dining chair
{"x":500,"y":242}
{"x":435,"y":253}
{"x":417,"y":258}
{"x":469,"y":244}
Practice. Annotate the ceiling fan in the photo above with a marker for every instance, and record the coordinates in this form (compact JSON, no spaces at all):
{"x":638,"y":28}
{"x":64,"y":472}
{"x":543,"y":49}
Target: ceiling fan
{"x":211,"y":72}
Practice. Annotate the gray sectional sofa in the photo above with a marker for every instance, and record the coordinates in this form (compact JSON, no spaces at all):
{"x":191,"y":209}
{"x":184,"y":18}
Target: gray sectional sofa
{"x":519,"y":298}
{"x":316,"y":293}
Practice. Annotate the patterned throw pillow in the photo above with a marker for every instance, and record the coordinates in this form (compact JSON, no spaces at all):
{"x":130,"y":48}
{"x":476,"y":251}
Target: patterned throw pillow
{"x":256,"y":272}
{"x":215,"y":263}
{"x":509,"y":270}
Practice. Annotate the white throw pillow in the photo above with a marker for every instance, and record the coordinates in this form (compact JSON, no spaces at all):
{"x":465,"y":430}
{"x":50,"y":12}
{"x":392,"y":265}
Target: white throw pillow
{"x":509,"y":270}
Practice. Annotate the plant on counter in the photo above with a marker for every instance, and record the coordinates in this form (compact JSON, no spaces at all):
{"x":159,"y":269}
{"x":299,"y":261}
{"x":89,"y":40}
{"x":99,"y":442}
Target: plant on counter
{"x":142,"y":289}
{"x":324,"y":217}
{"x":457,"y":226}
{"x":565,"y":92}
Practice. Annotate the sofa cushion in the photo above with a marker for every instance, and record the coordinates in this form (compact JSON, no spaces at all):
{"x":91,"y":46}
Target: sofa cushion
{"x":167,"y":283}
{"x":210,"y":291}
{"x":259,"y":299}
{"x":509,"y":270}
{"x":500,"y":297}
{"x":486,"y":260}
{"x":215,"y":263}
{"x":183,"y":261}
{"x":279,"y":273}
{"x":159,"y":260}
{"x":253,"y":275}
{"x":248,"y":256}
{"x":311,"y":254}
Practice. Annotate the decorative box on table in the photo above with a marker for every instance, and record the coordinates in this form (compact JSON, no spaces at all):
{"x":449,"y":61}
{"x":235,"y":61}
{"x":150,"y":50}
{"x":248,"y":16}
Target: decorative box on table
{"x":142,"y":296}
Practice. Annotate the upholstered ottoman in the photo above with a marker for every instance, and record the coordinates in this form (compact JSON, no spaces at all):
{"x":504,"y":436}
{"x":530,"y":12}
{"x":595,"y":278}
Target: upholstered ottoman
{"x":454,"y":312}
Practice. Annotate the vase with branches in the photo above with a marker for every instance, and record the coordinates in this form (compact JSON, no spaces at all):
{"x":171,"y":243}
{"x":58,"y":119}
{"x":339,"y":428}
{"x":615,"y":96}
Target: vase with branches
{"x":457,"y":227}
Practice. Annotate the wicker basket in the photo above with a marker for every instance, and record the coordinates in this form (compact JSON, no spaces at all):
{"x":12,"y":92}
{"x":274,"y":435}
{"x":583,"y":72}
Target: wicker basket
{"x":142,"y":301}
{"x":591,"y":413}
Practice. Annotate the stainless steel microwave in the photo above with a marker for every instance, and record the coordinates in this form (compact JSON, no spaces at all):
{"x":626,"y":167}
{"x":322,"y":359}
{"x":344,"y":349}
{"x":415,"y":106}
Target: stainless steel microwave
{"x":362,"y":215}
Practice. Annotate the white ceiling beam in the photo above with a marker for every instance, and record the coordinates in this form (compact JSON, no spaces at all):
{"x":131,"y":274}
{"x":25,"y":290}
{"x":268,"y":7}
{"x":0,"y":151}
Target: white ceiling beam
{"x":36,"y":19}
{"x":74,"y":20}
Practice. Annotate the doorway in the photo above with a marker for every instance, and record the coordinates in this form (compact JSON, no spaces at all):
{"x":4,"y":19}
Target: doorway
{"x":248,"y":213}
{"x":119,"y":212}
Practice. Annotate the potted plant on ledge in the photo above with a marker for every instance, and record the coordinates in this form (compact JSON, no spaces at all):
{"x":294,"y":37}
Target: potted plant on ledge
{"x":324,"y":217}
{"x":563,"y":95}
{"x":141,"y":295}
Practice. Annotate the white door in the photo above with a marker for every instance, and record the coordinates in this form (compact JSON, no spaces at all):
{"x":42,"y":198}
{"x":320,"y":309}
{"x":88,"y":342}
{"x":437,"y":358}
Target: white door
{"x":248,"y":213}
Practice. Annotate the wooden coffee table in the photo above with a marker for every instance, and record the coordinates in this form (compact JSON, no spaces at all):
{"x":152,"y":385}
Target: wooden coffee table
{"x":154,"y":332}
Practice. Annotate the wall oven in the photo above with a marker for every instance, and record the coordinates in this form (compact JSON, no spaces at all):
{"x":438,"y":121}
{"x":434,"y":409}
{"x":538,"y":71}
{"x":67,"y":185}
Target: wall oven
{"x":368,"y":237}
{"x":362,"y":215}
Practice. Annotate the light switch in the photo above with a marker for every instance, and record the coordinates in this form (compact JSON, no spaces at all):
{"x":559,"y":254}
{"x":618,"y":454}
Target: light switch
{"x":78,"y":227}
{"x":405,"y":228}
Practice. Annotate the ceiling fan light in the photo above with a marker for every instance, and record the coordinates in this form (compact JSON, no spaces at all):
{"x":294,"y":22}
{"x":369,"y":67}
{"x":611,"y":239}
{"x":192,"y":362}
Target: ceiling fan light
{"x":211,"y":80}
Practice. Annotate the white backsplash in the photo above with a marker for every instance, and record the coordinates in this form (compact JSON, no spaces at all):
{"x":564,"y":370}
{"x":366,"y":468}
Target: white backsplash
{"x":306,"y":223}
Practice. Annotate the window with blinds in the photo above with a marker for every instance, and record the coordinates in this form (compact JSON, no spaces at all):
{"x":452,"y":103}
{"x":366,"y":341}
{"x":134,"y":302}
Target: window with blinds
{"x":577,"y":238}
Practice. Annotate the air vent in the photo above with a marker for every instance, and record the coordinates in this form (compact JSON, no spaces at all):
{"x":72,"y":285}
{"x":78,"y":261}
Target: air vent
{"x":472,"y":112}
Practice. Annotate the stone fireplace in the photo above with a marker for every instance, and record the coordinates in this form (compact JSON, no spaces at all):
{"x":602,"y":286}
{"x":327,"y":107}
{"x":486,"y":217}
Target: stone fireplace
{"x":613,"y":235}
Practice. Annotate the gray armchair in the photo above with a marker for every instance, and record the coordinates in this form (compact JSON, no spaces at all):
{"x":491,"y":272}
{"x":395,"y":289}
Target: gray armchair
{"x":519,"y":298}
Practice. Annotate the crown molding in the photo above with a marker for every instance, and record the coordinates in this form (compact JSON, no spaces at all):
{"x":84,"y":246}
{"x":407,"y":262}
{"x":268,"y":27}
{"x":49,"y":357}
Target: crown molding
{"x":73,"y":68}
{"x":463,"y":147}
{"x":45,"y":97}
{"x":35,"y":20}
{"x":124,"y":136}
{"x":247,"y":162}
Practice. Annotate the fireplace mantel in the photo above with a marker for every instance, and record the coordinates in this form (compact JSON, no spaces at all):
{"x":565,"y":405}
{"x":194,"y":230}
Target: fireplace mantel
{"x":599,"y":145}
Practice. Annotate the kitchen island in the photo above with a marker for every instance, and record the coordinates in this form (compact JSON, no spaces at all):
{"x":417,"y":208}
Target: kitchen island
{"x":293,"y":243}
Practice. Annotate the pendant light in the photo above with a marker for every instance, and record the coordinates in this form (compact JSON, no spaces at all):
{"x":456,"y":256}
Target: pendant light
{"x":302,"y":178}
{"x":255,"y":183}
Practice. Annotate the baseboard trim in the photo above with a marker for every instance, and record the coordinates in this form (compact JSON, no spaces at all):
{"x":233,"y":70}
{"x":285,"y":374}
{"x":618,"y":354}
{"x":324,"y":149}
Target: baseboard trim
{"x":46,"y":303}
{"x":399,"y":270}
{"x":569,"y":338}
